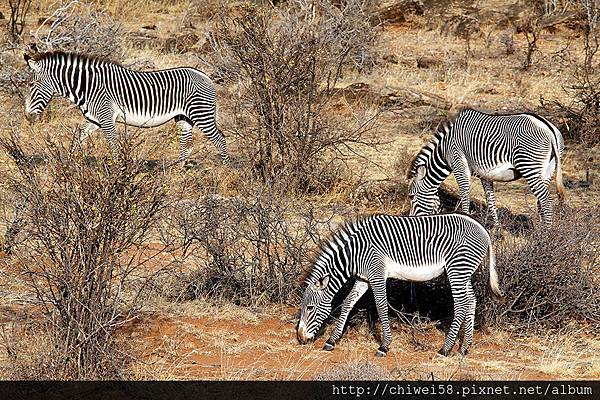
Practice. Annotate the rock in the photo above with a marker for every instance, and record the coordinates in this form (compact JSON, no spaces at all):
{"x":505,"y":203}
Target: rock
{"x":397,"y":12}
{"x":486,"y":90}
{"x":142,"y":39}
{"x":407,"y":97}
{"x":462,"y":26}
{"x":391,"y":97}
{"x":181,"y":43}
{"x":428,"y":62}
{"x":359,"y":92}
{"x":390,"y":58}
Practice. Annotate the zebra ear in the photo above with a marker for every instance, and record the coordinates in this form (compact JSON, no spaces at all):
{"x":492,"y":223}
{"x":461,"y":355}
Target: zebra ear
{"x":322,"y":283}
{"x":30,"y":61}
{"x":420,"y":172}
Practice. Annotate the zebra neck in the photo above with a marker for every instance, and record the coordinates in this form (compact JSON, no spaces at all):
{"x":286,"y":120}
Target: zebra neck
{"x":433,"y":155}
{"x":336,"y":266}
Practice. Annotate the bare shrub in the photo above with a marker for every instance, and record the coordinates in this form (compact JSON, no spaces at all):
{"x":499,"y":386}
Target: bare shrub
{"x":79,"y":28}
{"x":16,"y":21}
{"x":248,"y":251}
{"x":581,"y":113}
{"x":530,"y":28}
{"x":286,"y":61}
{"x":462,"y":26}
{"x":506,"y":38}
{"x":13,"y":74}
{"x":355,"y":372}
{"x":551,"y":276}
{"x":83,"y":245}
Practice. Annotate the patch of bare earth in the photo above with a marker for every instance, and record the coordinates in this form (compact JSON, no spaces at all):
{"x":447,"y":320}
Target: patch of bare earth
{"x":226,"y":342}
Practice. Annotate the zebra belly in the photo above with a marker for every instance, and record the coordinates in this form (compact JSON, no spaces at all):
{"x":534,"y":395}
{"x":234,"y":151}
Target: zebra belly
{"x":504,"y":172}
{"x":146,"y":121}
{"x":419,"y":273}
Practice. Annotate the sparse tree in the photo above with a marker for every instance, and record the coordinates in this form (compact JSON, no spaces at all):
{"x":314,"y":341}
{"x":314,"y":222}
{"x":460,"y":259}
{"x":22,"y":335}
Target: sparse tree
{"x":287,"y":61}
{"x":84,"y":240}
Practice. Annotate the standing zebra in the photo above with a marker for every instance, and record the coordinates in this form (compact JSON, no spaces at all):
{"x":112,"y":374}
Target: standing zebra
{"x":493,"y":148}
{"x":107,"y":92}
{"x":408,"y":248}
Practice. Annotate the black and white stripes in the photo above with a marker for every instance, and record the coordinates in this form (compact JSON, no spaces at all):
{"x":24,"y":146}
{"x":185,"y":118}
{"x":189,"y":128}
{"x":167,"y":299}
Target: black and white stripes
{"x":107,"y":92}
{"x":408,"y":248}
{"x":493,"y":148}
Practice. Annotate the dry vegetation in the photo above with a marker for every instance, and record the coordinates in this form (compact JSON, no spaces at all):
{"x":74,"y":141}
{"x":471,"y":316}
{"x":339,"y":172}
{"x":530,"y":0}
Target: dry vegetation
{"x":135,"y":268}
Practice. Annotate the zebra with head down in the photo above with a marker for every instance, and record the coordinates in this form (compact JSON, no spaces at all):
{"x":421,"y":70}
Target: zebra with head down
{"x":376,"y":248}
{"x":495,"y":148}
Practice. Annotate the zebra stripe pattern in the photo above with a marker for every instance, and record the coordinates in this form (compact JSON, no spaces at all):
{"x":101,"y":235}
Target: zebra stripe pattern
{"x":107,"y":93}
{"x":494,"y":148}
{"x":417,"y":249}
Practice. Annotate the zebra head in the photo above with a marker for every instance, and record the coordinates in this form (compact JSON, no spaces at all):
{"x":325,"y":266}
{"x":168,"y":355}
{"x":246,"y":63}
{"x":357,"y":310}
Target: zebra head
{"x":315,"y":308}
{"x":41,"y":88}
{"x":422,"y":193}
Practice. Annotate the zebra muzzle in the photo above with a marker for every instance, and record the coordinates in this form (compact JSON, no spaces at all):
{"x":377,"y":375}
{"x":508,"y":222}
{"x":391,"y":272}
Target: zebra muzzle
{"x":301,"y":335}
{"x":32,"y":117}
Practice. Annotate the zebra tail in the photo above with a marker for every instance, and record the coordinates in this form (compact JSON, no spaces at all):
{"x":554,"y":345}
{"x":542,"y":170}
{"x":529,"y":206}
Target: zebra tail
{"x":493,"y":274}
{"x":560,"y":187}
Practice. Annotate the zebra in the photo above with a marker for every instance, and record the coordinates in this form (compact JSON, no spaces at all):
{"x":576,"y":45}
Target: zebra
{"x":413,"y":248}
{"x":494,"y":148}
{"x":107,"y":92}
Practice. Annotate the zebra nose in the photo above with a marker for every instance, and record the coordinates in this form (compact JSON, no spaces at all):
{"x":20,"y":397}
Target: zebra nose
{"x":301,"y":334}
{"x":32,"y":117}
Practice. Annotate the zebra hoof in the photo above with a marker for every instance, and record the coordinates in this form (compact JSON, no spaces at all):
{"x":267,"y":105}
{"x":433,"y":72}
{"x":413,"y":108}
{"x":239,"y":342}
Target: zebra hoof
{"x":463,"y":352}
{"x":443,"y":352}
{"x":328,"y":346}
{"x":381,"y":352}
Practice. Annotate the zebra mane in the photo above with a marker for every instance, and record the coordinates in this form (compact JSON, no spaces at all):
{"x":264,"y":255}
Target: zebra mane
{"x":347,"y":229}
{"x":57,"y":55}
{"x":422,"y":157}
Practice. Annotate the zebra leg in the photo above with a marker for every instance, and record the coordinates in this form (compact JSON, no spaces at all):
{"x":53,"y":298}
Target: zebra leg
{"x":469,"y":322}
{"x":539,"y":188}
{"x":205,"y":118}
{"x":488,"y":187}
{"x":378,"y":284}
{"x":458,"y":283}
{"x":359,"y":288}
{"x":185,"y":138}
{"x":463,"y":178}
{"x":87,"y":130}
{"x":110,"y":131}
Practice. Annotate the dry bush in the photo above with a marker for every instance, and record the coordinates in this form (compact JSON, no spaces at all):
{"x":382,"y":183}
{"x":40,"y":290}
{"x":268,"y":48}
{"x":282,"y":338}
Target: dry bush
{"x":82,"y":29}
{"x":248,"y":250}
{"x":355,"y":371}
{"x":550,"y":277}
{"x":286,"y":62}
{"x":581,"y":113}
{"x":13,"y":74}
{"x":507,"y":39}
{"x":16,"y":22}
{"x":83,"y":247}
{"x":529,"y":27}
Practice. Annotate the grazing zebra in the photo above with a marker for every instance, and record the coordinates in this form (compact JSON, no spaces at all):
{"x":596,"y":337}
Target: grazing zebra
{"x":494,"y":148}
{"x":107,"y":92}
{"x":401,"y":247}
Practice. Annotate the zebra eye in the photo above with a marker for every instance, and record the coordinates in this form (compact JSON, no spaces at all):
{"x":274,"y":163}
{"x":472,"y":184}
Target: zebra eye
{"x":310,"y":308}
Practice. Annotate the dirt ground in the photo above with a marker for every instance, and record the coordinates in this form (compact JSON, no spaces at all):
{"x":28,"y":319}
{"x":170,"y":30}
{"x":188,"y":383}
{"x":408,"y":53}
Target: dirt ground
{"x":203,"y":340}
{"x":245,"y":344}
